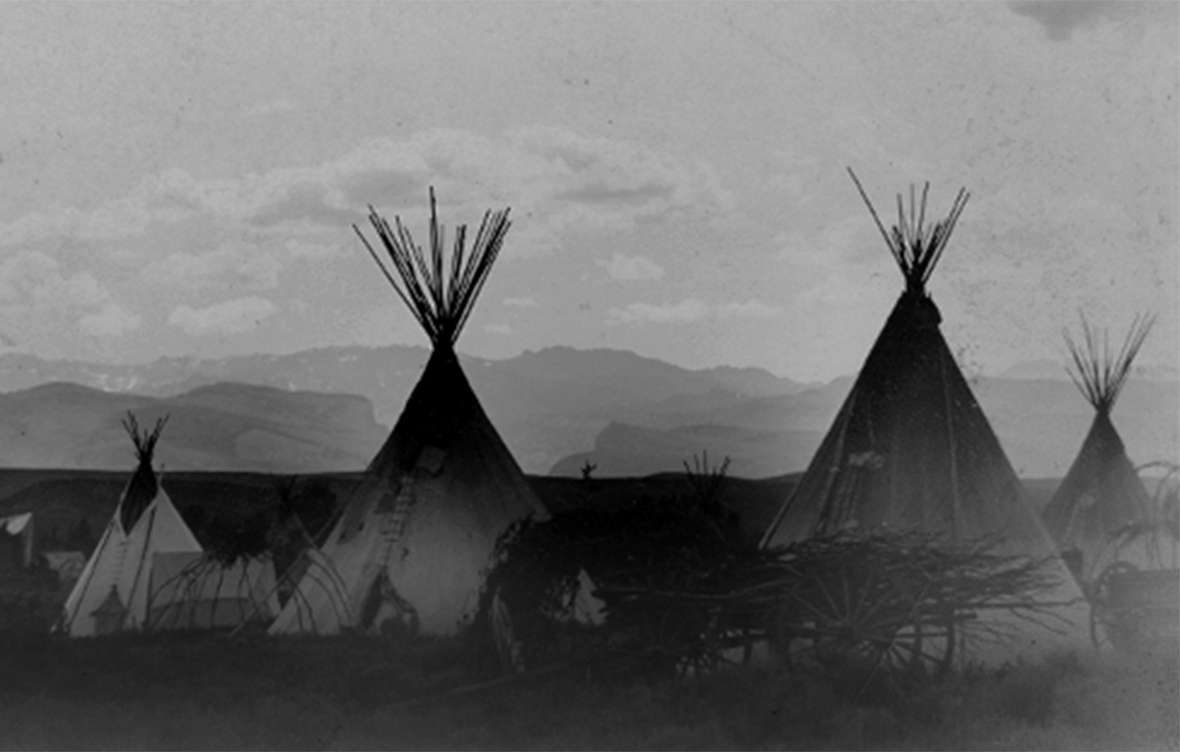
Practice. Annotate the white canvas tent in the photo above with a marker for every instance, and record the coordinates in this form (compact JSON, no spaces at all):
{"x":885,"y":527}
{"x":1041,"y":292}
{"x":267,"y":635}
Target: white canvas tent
{"x":117,"y":576}
{"x":410,"y":549}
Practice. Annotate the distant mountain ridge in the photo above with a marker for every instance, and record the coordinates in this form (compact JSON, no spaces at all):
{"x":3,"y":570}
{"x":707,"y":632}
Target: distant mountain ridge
{"x":546,"y":404}
{"x":227,"y":427}
{"x":556,"y":408}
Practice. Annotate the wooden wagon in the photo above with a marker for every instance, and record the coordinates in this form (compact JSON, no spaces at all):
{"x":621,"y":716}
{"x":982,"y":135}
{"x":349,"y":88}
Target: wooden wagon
{"x":1134,"y":609}
{"x":1135,"y":597}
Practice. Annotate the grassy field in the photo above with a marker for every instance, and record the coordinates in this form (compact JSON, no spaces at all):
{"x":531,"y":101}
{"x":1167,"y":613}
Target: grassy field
{"x":214,"y":692}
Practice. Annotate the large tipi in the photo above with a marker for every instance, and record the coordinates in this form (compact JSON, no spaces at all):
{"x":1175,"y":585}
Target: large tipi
{"x":1101,"y":494}
{"x":411,"y":547}
{"x":911,"y":449}
{"x":112,"y":593}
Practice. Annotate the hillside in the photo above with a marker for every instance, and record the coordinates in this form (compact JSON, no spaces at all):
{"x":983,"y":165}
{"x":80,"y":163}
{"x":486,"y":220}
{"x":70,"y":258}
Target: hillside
{"x":220,"y":427}
{"x":555,"y":408}
{"x":1040,"y":423}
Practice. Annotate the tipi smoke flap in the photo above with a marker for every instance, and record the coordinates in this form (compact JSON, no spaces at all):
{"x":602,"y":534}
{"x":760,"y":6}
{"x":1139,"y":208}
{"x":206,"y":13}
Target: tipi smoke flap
{"x":411,"y":547}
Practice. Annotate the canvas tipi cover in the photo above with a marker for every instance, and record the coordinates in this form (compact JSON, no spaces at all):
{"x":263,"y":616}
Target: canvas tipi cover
{"x":910,"y":448}
{"x":118,"y":573}
{"x":411,"y":547}
{"x":1102,"y":493}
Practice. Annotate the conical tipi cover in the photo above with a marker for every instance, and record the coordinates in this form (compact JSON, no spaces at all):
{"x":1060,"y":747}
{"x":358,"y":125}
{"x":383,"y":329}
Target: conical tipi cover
{"x":909,"y":449}
{"x":1102,"y":493}
{"x":145,"y":523}
{"x":412,"y":546}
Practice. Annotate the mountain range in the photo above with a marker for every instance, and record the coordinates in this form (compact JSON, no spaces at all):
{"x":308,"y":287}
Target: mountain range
{"x":329,"y":409}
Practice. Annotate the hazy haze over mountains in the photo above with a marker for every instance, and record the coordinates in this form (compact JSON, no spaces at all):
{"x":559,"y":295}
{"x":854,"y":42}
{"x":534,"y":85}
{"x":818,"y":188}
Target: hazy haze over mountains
{"x":556,"y":408}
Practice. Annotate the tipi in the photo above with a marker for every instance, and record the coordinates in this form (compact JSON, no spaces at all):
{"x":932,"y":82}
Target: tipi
{"x":1101,"y":493}
{"x":910,"y":448}
{"x":112,"y":593}
{"x":412,"y":544}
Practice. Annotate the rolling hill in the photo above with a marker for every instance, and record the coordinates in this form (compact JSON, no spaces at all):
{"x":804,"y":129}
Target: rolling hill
{"x":227,"y":427}
{"x":555,"y":408}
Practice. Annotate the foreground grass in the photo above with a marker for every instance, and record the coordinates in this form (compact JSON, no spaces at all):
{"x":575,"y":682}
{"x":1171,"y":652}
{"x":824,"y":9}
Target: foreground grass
{"x":351,"y":694}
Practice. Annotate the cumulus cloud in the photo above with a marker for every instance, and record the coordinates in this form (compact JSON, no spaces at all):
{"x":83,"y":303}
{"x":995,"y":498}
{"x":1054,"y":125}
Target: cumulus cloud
{"x":689,"y":310}
{"x":111,"y":320}
{"x":229,"y":317}
{"x":555,"y":180}
{"x":32,"y":278}
{"x":631,"y":268}
{"x":232,"y":265}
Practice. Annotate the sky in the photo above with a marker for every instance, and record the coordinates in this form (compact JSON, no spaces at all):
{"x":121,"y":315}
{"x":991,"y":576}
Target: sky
{"x":179,"y":179}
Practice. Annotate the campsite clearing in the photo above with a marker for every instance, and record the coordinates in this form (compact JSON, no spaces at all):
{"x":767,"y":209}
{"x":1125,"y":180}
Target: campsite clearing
{"x":215,"y":693}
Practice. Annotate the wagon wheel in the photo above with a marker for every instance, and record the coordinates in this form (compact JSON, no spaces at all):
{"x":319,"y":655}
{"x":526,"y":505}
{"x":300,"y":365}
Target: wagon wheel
{"x":860,"y":618}
{"x":1106,"y":625}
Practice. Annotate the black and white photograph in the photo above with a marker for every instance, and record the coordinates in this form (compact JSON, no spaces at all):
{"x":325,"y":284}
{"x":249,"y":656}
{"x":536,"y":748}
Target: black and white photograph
{"x":781,"y":374}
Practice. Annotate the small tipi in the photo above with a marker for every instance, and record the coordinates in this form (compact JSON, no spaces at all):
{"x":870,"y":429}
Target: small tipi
{"x":412,"y":545}
{"x":112,"y":593}
{"x":1101,"y":493}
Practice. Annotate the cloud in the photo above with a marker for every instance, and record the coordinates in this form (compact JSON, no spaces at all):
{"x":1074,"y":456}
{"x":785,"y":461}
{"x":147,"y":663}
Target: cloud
{"x":519,"y":303}
{"x":112,"y":320}
{"x":1060,"y":18}
{"x":34,"y":279}
{"x":689,"y":310}
{"x":556,"y":181}
{"x":229,"y":317}
{"x":232,"y":265}
{"x":502,"y":329}
{"x":631,"y":268}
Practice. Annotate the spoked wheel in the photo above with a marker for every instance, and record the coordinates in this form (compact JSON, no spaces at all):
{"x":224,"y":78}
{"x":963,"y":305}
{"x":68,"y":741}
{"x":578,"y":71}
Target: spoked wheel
{"x":857,"y":619}
{"x":1106,"y":626}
